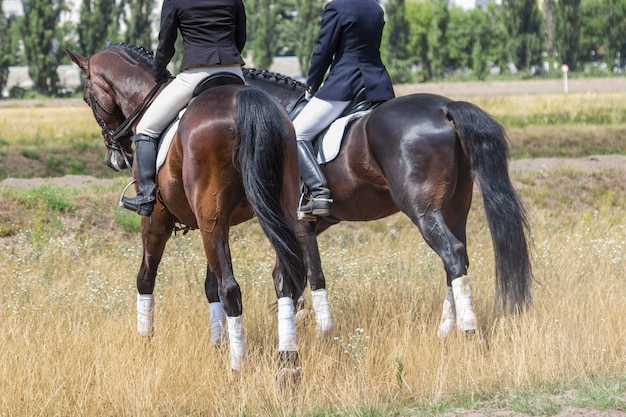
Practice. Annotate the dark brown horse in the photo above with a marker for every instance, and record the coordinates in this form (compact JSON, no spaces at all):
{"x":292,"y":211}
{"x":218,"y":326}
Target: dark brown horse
{"x":420,"y":154}
{"x":233,"y":155}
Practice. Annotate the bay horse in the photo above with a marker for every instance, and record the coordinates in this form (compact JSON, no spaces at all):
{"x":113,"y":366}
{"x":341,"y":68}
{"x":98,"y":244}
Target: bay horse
{"x":420,"y":154}
{"x":232,"y":157}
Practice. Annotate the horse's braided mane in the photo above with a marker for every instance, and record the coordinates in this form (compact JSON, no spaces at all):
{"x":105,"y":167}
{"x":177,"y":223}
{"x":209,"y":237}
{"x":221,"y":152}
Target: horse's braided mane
{"x":139,"y":53}
{"x":145,"y":56}
{"x":271,"y":76}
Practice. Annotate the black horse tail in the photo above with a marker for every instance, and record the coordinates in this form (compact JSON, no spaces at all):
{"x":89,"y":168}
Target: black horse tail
{"x":485,"y":142}
{"x":260,"y":159}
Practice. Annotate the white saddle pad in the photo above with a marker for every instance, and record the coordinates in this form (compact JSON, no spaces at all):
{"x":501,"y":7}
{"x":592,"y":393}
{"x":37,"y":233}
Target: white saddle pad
{"x":166,"y":140}
{"x":331,"y":142}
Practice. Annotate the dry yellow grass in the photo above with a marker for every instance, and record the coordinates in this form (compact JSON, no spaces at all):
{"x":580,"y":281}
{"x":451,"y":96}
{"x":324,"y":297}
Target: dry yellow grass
{"x":67,"y":317}
{"x":47,"y":126}
{"x":68,"y":345}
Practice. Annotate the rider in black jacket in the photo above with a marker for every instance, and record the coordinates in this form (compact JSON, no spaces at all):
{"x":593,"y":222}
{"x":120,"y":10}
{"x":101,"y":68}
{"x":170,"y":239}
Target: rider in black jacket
{"x":214,"y":34}
{"x":348,"y":43}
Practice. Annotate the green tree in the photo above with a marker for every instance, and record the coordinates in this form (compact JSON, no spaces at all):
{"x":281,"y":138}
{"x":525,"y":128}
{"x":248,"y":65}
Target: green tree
{"x":437,"y":38}
{"x":96,"y":17}
{"x":419,"y":15}
{"x":139,"y":23}
{"x":308,"y":22}
{"x":398,"y":31}
{"x":463,"y":31}
{"x":4,"y":55}
{"x":475,"y":39}
{"x":592,"y":33}
{"x":495,"y":31}
{"x":615,"y":29}
{"x":478,"y":61}
{"x":41,"y":45}
{"x":525,"y":32}
{"x":567,"y":21}
{"x":261,"y":31}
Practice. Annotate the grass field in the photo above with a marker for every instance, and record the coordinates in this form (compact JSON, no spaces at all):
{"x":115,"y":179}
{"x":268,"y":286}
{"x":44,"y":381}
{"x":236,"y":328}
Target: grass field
{"x":68,"y":259}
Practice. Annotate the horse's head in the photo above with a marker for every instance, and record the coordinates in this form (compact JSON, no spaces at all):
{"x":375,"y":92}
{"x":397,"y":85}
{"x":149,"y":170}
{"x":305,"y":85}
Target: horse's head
{"x":101,"y":98}
{"x":116,"y":80}
{"x":286,"y":90}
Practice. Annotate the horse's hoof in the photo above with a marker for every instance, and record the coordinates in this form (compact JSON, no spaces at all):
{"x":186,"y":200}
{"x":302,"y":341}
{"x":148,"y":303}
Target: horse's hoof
{"x":289,"y":378}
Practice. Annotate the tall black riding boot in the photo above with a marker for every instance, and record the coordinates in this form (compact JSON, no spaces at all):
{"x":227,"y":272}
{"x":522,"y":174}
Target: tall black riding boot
{"x":318,"y":203}
{"x":145,"y":156}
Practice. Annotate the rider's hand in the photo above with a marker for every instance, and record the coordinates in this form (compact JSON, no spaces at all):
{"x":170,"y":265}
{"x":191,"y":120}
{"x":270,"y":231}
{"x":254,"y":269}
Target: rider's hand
{"x":160,"y":76}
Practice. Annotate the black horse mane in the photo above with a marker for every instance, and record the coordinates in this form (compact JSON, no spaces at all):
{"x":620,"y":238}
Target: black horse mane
{"x":139,"y":53}
{"x":275,"y":77}
{"x":146,"y":57}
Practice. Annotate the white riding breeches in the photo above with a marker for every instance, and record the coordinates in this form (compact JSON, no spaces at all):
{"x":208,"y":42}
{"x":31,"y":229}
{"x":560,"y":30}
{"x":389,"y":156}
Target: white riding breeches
{"x":175,"y":96}
{"x":316,"y":116}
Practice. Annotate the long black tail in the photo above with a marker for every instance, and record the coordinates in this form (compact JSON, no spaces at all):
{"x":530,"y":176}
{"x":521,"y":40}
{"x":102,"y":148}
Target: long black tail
{"x":485,"y":142}
{"x":261,"y":157}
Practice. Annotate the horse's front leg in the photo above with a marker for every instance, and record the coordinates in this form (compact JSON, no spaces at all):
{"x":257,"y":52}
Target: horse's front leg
{"x":155,"y":232}
{"x":448,"y":314}
{"x":315,"y":275}
{"x":216,"y":310}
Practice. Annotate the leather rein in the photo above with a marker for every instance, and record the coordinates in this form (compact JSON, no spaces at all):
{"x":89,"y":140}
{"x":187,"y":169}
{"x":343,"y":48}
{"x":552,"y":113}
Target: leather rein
{"x":125,"y":129}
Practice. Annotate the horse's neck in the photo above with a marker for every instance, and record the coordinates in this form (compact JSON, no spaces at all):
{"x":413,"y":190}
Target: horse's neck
{"x":286,"y":93}
{"x":129,"y":99}
{"x":130,"y":83}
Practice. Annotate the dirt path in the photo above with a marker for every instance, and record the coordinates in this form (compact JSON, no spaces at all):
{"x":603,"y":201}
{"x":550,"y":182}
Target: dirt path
{"x":588,"y":164}
{"x":499,"y":88}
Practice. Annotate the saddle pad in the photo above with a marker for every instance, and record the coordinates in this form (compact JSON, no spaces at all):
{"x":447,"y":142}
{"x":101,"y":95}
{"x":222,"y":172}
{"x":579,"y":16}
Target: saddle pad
{"x":331,"y":142}
{"x":166,"y":140}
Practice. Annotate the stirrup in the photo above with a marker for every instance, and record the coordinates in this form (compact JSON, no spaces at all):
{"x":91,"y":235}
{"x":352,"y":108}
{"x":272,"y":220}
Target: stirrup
{"x":130,"y":184}
{"x":310,"y":214}
{"x":143,"y":209}
{"x":302,"y":215}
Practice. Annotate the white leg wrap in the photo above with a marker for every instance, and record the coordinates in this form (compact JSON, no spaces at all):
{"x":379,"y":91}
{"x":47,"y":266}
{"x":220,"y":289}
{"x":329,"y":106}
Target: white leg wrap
{"x":465,"y":317}
{"x":448,"y":316}
{"x":323,"y":319}
{"x":287,"y":341}
{"x":216,"y":314}
{"x":145,"y":314}
{"x":237,"y":344}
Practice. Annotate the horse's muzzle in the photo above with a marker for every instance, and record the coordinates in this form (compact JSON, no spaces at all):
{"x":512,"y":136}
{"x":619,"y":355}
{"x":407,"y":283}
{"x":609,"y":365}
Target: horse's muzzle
{"x":118,"y":161}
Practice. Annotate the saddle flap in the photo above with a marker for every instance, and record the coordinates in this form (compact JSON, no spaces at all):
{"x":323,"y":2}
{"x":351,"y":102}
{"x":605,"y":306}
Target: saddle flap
{"x":329,"y":140}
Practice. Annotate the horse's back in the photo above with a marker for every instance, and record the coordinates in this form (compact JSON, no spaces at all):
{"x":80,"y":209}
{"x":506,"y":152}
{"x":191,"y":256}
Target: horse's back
{"x":390,"y":155}
{"x":417,"y":115}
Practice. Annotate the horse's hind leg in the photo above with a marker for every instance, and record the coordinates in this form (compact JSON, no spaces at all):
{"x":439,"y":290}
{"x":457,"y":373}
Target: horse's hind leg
{"x":324,"y":324}
{"x":457,"y":306}
{"x":217,"y":249}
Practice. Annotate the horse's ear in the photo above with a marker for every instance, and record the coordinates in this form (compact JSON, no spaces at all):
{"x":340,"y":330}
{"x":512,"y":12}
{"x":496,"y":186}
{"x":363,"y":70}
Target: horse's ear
{"x":78,"y":59}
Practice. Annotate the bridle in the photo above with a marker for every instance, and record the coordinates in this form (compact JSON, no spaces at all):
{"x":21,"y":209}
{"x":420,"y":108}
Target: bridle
{"x":125,"y":129}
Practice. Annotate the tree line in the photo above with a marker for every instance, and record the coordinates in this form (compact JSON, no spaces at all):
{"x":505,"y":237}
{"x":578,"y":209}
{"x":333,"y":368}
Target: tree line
{"x":423,"y":40}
